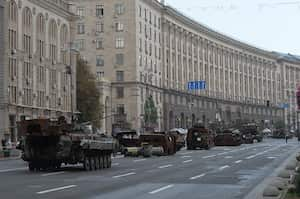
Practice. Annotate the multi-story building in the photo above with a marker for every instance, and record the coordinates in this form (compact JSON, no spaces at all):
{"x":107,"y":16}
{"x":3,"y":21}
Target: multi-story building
{"x":145,"y":48}
{"x":36,"y":62}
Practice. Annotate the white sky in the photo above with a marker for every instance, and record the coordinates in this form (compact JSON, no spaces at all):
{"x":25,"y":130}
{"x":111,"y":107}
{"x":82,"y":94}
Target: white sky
{"x":272,"y":25}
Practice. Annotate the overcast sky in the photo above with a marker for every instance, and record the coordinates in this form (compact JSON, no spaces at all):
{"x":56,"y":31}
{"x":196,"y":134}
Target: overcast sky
{"x":268,"y":24}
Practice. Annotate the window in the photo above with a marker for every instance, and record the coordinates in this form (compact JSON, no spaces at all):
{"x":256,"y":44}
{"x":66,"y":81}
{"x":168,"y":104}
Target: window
{"x":120,"y":42}
{"x":120,"y":109}
{"x":120,"y":76}
{"x":140,"y":11}
{"x":99,"y":27}
{"x":120,"y":92}
{"x":80,"y":44}
{"x":80,"y":28}
{"x":119,"y":59}
{"x":99,"y":44}
{"x":80,"y":11}
{"x":99,"y":11}
{"x":119,"y":27}
{"x":119,"y":9}
{"x":100,"y":74}
{"x":99,"y":60}
{"x":140,"y":25}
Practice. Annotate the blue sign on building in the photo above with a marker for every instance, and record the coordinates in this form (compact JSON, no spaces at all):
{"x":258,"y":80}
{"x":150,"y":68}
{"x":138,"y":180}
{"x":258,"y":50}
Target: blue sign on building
{"x":197,"y":85}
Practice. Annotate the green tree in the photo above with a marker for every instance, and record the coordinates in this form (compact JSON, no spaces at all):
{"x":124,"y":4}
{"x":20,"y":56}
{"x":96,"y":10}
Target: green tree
{"x":151,"y":115}
{"x":88,"y":96}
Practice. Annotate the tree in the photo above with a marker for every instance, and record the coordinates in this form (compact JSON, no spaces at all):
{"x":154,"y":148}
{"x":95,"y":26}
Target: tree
{"x":150,"y":112}
{"x":88,"y":96}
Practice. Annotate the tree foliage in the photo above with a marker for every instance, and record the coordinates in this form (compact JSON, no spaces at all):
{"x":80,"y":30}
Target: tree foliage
{"x":150,"y":112}
{"x":88,"y":96}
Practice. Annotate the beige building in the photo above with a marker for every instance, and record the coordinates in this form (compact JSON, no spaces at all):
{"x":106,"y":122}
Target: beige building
{"x":143,"y":48}
{"x":36,"y":62}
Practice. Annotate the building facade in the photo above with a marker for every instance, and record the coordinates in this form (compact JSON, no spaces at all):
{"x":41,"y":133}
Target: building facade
{"x":147,"y":49}
{"x":37,"y":63}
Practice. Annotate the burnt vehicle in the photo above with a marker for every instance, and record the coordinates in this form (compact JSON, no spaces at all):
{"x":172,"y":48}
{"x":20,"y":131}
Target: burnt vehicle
{"x":199,"y":137}
{"x":229,"y":137}
{"x":180,"y":136}
{"x":127,"y":139}
{"x":46,"y":144}
{"x":281,"y":134}
{"x":250,"y":133}
{"x":161,"y":143}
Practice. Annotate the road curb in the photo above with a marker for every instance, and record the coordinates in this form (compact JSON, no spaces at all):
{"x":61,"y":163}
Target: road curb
{"x":257,"y":192}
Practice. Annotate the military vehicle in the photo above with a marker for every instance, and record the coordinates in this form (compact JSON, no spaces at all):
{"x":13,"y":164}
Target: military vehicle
{"x":180,"y":136}
{"x":48,"y":143}
{"x":127,"y":139}
{"x":250,"y":133}
{"x":229,"y":137}
{"x":199,"y":137}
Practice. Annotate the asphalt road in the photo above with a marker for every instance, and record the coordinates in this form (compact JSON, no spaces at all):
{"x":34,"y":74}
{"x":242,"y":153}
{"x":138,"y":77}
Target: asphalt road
{"x":222,"y":172}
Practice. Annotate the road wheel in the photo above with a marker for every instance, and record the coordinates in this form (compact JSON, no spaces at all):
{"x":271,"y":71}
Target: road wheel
{"x":86,"y":164}
{"x":31,"y":166}
{"x":104,"y":161}
{"x":97,"y":165}
{"x":101,"y":166}
{"x":92,"y":163}
{"x":109,"y":160}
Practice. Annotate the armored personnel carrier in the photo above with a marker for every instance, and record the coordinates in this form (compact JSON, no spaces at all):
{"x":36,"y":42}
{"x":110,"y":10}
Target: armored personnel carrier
{"x":229,"y":137}
{"x":46,"y":144}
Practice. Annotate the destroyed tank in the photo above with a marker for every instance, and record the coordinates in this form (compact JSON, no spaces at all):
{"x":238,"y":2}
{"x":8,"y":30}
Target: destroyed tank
{"x":199,"y":137}
{"x":46,"y":144}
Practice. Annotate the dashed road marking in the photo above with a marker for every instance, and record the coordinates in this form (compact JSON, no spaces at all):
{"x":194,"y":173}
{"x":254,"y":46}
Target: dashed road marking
{"x":186,"y":156}
{"x":118,"y":157}
{"x":165,"y":166}
{"x":56,"y":189}
{"x":124,"y":175}
{"x":223,"y":167}
{"x":14,"y":169}
{"x":115,"y":164}
{"x":139,"y":160}
{"x":250,"y":157}
{"x":271,"y":157}
{"x":52,"y":174}
{"x":222,"y":153}
{"x":198,"y":176}
{"x":161,"y":189}
{"x":228,"y":157}
{"x":209,"y":156}
{"x":187,"y":161}
{"x":185,"y":153}
{"x":238,"y":161}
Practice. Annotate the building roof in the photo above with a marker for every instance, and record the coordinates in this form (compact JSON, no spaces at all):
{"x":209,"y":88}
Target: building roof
{"x":287,"y":57}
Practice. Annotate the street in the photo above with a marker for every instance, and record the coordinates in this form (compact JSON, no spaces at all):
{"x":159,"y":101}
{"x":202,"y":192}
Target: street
{"x":221,"y":172}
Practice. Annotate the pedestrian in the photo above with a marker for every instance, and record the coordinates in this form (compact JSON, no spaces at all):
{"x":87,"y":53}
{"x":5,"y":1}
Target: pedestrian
{"x":286,"y":138}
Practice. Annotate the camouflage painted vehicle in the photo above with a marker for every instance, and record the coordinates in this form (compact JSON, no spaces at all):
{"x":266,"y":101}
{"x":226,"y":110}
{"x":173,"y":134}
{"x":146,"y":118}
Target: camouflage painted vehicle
{"x":250,"y":133}
{"x":199,"y":137}
{"x":229,"y":137}
{"x":47,"y":144}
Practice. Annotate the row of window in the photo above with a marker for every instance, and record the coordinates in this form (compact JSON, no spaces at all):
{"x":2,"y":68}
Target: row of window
{"x":119,"y":59}
{"x":99,"y":11}
{"x":119,"y":43}
{"x":148,"y":16}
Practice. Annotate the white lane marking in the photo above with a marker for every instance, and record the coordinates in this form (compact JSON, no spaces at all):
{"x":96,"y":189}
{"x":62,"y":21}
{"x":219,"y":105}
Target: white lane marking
{"x":52,"y":174}
{"x":209,"y":156}
{"x":238,"y":161}
{"x":165,"y":166}
{"x":56,"y":189}
{"x":187,"y":161}
{"x":222,"y":153}
{"x":223,"y":167}
{"x":250,"y":157}
{"x":228,"y":157}
{"x":271,"y":157}
{"x":161,"y":189}
{"x":118,"y":157}
{"x":124,"y":175}
{"x":227,"y":149}
{"x":186,"y":156}
{"x":254,"y":149}
{"x":185,"y":153}
{"x":140,"y":160}
{"x":115,"y":164}
{"x":14,"y":169}
{"x":198,"y":176}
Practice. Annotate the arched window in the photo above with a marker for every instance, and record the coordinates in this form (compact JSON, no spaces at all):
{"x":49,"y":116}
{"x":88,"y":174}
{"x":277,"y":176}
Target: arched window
{"x":53,"y":40}
{"x":27,"y":30}
{"x":64,"y":43}
{"x":12,"y":24}
{"x":40,"y":34}
{"x":12,"y":12}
